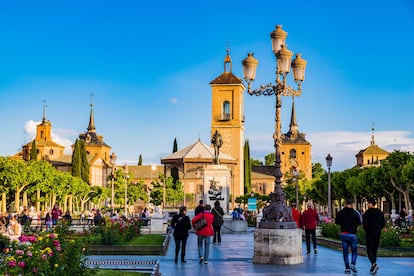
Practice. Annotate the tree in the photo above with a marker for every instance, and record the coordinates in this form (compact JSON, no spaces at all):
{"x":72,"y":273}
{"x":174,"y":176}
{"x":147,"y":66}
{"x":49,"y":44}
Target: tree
{"x":174,"y":170}
{"x":255,"y":162}
{"x":398,"y":169}
{"x":140,"y":160}
{"x":76,"y":160}
{"x":247,"y":168}
{"x":84,"y":162}
{"x":270,"y":159}
{"x":33,"y":151}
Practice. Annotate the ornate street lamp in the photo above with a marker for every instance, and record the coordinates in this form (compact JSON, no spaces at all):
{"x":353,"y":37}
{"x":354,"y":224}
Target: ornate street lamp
{"x":295,"y":178}
{"x":126,"y":189}
{"x":329,"y":165}
{"x":277,"y":214}
{"x":113,"y":163}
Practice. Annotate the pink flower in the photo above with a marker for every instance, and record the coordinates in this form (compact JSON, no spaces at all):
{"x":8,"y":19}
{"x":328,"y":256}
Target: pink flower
{"x":52,"y":235}
{"x":44,"y":257}
{"x":19,"y":252}
{"x":32,"y":239}
{"x":12,"y":263}
{"x":21,"y":264}
{"x":29,"y":253}
{"x":34,"y":269}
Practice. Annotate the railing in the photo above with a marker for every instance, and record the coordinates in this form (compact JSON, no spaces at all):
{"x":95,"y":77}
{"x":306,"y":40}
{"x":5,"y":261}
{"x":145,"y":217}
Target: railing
{"x":123,"y":263}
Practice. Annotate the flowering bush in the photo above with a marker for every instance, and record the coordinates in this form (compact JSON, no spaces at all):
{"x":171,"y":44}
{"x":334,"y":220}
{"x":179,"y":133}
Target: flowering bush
{"x":115,"y":231}
{"x":391,"y":235}
{"x":45,"y":254}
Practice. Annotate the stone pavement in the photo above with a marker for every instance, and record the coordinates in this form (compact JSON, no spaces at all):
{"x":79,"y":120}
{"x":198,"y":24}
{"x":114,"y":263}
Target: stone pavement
{"x":234,"y":258}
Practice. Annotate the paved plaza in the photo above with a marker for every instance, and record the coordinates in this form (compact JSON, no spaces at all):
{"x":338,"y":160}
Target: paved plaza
{"x":234,"y":257}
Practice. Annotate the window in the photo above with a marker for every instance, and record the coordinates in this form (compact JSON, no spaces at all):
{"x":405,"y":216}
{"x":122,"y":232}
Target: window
{"x":292,"y":153}
{"x":226,"y":110}
{"x":41,"y":134}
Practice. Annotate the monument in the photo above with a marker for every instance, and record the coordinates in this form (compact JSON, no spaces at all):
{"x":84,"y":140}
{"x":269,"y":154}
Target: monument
{"x":217,"y":178}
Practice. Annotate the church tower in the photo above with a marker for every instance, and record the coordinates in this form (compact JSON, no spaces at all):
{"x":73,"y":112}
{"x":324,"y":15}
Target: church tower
{"x":295,"y":150}
{"x":227,"y":117}
{"x":95,"y":145}
{"x":46,"y":148}
{"x":98,"y":153}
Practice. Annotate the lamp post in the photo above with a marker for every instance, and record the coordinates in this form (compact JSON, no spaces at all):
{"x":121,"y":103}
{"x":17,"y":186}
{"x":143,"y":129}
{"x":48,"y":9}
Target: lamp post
{"x":126,"y":189}
{"x":280,"y":88}
{"x":329,"y":164}
{"x":295,"y":178}
{"x":113,"y":163}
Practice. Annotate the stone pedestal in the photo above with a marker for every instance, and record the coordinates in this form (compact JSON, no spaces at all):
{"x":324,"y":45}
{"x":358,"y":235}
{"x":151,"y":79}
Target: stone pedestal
{"x":217,"y":179}
{"x":158,"y":224}
{"x":231,"y":226}
{"x":278,"y":246}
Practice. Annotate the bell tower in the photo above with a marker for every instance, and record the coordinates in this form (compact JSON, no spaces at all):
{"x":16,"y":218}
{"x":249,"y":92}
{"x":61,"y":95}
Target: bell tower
{"x":227,"y":118}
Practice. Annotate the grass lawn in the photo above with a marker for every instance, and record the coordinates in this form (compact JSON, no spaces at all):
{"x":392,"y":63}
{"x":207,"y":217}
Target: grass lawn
{"x":109,"y":272}
{"x":146,"y":240}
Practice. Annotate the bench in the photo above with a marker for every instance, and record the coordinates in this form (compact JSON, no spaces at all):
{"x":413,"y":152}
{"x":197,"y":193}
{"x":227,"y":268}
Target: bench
{"x":129,"y":263}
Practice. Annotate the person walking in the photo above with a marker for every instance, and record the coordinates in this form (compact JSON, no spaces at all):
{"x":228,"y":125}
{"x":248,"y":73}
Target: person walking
{"x":204,"y":234}
{"x":200,"y":208}
{"x":56,"y":213}
{"x":296,"y":215}
{"x":218,"y":213}
{"x":310,"y":219}
{"x":372,"y":222}
{"x":348,"y":219}
{"x":181,"y":224}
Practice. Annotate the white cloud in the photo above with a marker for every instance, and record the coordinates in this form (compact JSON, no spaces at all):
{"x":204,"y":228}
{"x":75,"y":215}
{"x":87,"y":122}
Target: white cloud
{"x":173,"y":100}
{"x":342,"y":145}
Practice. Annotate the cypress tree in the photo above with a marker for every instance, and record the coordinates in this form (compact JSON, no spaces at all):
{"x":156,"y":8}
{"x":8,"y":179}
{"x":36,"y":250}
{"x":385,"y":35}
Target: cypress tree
{"x":140,"y":160}
{"x":33,"y":151}
{"x":76,"y":160}
{"x":84,"y":161}
{"x":174,"y":171}
{"x":247,"y":168}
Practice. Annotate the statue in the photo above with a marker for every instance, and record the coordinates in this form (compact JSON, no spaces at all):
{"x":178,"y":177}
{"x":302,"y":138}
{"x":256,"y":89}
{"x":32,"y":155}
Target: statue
{"x":217,"y":142}
{"x":277,"y":214}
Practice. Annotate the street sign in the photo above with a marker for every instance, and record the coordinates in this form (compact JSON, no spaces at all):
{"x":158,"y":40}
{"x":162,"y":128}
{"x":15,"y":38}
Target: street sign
{"x":251,"y":204}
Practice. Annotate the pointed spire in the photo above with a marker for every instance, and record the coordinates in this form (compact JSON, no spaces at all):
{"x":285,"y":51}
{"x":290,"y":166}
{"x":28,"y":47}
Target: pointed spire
{"x":372,"y":135}
{"x":44,"y":111}
{"x":227,"y":61}
{"x":293,"y":127}
{"x":91,"y":126}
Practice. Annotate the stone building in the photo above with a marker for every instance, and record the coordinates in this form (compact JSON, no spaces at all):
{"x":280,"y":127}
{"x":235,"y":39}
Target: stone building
{"x":191,"y":161}
{"x":295,"y":150}
{"x":372,"y":155}
{"x":47,"y":149}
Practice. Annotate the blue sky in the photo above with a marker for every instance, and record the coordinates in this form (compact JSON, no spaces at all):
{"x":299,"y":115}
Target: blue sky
{"x":149,"y":64}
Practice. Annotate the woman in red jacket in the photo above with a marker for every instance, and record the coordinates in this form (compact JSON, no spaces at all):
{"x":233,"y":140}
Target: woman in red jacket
{"x":204,"y":234}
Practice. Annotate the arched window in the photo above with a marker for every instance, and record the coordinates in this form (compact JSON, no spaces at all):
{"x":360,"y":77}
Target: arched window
{"x":292,"y":153}
{"x":226,"y":110}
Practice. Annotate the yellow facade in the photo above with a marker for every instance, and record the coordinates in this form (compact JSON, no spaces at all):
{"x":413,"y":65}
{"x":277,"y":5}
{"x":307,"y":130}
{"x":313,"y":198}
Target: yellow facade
{"x":295,"y":151}
{"x":46,"y":148}
{"x":372,"y":155}
{"x":227,"y":117}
